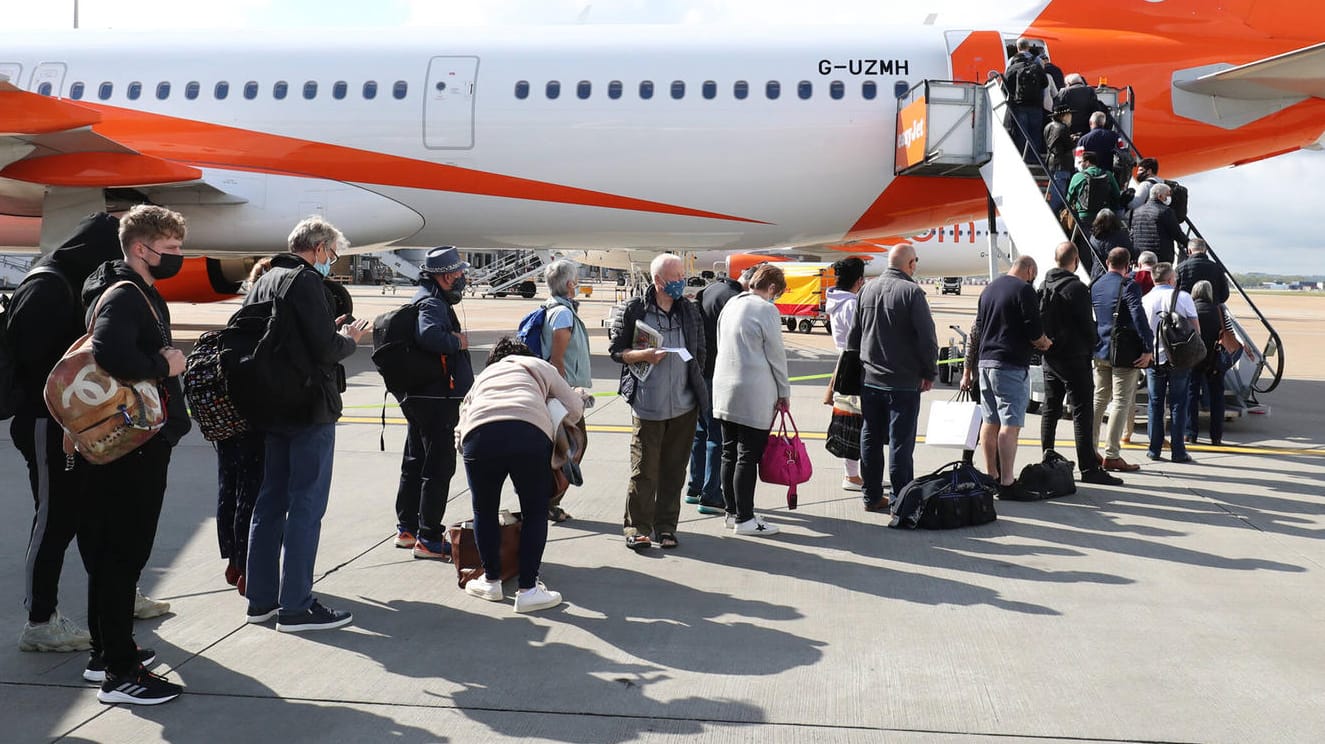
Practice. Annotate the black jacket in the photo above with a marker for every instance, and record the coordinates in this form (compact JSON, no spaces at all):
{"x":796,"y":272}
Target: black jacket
{"x":127,"y":339}
{"x":1155,"y":228}
{"x":1198,"y":266}
{"x":434,"y":333}
{"x":711,"y":300}
{"x":46,"y":313}
{"x":317,"y":328}
{"x":1083,"y":102}
{"x":692,"y":329}
{"x":1069,"y":317}
{"x":1058,"y":143}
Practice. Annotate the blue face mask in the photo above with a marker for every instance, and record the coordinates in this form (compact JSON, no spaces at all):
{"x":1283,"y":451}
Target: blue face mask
{"x":675,"y":289}
{"x":323,"y":268}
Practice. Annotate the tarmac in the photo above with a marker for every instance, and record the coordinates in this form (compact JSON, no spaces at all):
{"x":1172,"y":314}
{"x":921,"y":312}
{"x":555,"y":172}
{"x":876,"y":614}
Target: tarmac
{"x":1183,"y":606}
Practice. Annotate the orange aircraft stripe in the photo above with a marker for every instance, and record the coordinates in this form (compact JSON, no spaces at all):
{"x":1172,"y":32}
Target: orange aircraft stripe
{"x":213,"y":145}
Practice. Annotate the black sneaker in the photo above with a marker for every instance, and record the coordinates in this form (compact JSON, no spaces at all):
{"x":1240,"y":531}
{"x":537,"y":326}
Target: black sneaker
{"x":140,"y":688}
{"x":258,"y":615}
{"x":1098,"y":477}
{"x":96,"y":666}
{"x":316,"y":617}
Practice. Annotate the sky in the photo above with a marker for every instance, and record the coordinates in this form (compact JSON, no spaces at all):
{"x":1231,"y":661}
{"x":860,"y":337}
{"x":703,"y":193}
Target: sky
{"x":1257,"y":217}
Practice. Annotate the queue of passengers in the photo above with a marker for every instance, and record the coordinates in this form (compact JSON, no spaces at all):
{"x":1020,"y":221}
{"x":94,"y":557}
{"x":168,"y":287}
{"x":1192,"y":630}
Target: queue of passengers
{"x":712,"y":406}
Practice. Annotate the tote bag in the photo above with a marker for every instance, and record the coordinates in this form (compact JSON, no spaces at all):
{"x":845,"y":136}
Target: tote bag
{"x":785,"y":461}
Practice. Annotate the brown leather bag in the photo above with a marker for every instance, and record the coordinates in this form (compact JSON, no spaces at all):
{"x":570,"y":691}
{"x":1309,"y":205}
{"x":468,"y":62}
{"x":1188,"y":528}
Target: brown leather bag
{"x":464,"y":550}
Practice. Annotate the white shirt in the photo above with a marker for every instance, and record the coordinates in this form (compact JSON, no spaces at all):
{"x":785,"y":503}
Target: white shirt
{"x":1156,"y":303}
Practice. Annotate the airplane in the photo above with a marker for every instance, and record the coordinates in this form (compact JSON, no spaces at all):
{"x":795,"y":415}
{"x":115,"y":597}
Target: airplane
{"x":593,"y":137}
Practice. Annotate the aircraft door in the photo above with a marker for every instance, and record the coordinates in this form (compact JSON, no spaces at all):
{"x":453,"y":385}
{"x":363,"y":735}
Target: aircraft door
{"x":48,"y":79}
{"x":448,"y":109}
{"x":10,"y":72}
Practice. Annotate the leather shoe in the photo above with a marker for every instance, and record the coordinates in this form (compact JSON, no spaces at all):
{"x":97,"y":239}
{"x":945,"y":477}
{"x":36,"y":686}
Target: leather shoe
{"x":880,"y":505}
{"x":1098,"y":477}
{"x":1119,"y":465}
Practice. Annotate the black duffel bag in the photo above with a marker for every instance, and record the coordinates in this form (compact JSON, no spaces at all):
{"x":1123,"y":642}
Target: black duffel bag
{"x":955,"y":495}
{"x":1048,"y":479}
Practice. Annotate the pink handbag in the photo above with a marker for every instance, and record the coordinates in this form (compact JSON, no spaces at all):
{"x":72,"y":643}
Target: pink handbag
{"x":785,"y":461}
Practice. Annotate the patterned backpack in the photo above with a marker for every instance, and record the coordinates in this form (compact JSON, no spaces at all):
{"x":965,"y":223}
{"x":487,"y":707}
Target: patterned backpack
{"x":208,"y":390}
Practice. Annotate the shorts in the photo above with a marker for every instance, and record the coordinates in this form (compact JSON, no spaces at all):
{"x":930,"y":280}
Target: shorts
{"x":1004,"y":394}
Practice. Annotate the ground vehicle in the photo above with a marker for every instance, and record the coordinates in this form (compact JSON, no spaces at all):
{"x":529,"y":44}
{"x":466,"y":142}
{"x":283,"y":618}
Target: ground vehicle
{"x":950,"y":285}
{"x":802,"y":304}
{"x":952,"y":358}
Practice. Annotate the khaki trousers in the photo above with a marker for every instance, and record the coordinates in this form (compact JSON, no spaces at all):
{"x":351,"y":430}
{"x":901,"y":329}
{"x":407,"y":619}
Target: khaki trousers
{"x":1116,"y":388}
{"x":659,"y":453}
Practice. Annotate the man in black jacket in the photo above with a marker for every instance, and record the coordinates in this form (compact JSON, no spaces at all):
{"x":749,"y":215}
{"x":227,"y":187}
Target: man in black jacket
{"x":1197,"y":266}
{"x":45,"y":317}
{"x":122,"y":499}
{"x":706,"y":450}
{"x":296,"y":482}
{"x":1069,"y":320}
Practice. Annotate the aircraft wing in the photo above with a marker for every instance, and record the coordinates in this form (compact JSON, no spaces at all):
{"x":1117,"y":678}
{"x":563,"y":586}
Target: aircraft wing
{"x":1297,"y":73}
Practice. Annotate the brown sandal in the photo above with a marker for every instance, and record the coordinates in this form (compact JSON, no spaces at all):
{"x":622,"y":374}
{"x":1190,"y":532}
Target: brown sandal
{"x":667,"y":540}
{"x":557,"y":514}
{"x":638,"y":542}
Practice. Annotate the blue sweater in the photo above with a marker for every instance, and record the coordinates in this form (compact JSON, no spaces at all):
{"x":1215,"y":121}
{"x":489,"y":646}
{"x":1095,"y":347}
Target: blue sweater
{"x":1007,"y":321}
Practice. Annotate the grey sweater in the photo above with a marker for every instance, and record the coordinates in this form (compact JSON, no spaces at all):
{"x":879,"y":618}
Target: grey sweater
{"x":894,"y":333}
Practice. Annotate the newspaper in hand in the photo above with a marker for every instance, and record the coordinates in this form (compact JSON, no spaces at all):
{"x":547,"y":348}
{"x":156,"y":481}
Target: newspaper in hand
{"x":646,"y":337}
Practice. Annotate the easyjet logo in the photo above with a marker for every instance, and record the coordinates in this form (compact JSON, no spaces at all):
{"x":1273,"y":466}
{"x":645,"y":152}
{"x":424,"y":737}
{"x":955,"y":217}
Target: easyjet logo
{"x":912,"y":133}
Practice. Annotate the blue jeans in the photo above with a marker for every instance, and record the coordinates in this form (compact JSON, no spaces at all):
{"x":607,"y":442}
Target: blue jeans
{"x":295,"y":485}
{"x":890,"y":419}
{"x":1029,"y":137}
{"x":1172,"y":383}
{"x":1061,"y":179}
{"x":706,"y":460}
{"x":1209,"y":387}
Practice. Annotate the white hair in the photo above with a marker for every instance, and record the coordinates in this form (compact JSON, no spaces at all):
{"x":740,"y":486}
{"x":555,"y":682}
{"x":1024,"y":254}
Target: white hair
{"x":660,"y":263}
{"x":1147,"y":258}
{"x":1075,"y":79}
{"x":1098,"y":119}
{"x":308,"y":233}
{"x":558,"y":276}
{"x":1159,"y":191}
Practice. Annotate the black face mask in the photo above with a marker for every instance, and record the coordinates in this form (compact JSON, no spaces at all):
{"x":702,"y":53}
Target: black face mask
{"x":457,"y":291}
{"x":169,"y":265}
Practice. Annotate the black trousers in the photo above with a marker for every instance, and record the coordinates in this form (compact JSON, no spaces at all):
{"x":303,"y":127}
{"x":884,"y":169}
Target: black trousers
{"x":239,"y":468}
{"x":55,"y":495}
{"x":427,"y":465}
{"x":1074,"y":376}
{"x":742,"y":449}
{"x":120,"y":508}
{"x":521,"y":451}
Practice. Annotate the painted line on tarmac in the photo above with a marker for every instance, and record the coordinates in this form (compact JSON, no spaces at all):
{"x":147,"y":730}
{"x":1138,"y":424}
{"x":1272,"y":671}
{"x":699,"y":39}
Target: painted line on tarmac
{"x":1061,"y":445}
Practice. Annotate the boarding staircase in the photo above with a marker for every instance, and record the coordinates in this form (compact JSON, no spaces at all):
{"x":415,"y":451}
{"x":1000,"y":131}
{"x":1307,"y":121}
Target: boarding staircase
{"x":953,"y":129}
{"x":514,"y":272}
{"x":399,"y":264}
{"x":12,"y":269}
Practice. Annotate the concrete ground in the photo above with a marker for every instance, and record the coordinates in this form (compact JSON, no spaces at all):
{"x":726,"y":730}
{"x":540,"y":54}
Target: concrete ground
{"x":1183,"y":606}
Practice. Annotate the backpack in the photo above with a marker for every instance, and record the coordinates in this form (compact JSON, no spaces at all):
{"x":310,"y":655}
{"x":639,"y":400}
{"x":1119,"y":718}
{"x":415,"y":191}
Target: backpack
{"x":1182,"y":343}
{"x":1048,"y":298}
{"x":207,"y":389}
{"x":1178,"y":200}
{"x":270,"y":374}
{"x":405,"y":368}
{"x":104,"y":418}
{"x":530,"y":330}
{"x":1028,"y":82}
{"x":1094,"y":196}
{"x":10,"y":394}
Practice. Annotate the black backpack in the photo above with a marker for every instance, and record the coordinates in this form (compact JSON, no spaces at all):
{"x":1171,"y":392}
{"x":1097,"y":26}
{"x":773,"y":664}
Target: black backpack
{"x":1095,"y":195}
{"x":1048,"y":300}
{"x":405,"y":368}
{"x":1178,"y":200}
{"x":1028,"y":82}
{"x":270,"y":374}
{"x":1183,"y":345}
{"x":9,"y":389}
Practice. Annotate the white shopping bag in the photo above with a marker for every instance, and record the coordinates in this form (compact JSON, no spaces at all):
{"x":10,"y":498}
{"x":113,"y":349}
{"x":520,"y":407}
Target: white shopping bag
{"x":953,"y":424}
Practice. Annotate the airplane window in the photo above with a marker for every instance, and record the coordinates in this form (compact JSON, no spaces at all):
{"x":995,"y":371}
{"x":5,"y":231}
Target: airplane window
{"x":280,"y":90}
{"x":869,"y":89}
{"x":583,"y":89}
{"x":710,"y":90}
{"x":614,"y":89}
{"x":805,"y":89}
{"x":646,"y":89}
{"x":162,"y":91}
{"x":191,"y":90}
{"x":310,"y":90}
{"x":222,"y":90}
{"x":399,"y":90}
{"x":773,"y":90}
{"x":135,"y":90}
{"x":76,"y":91}
{"x":900,"y":88}
{"x":370,"y":90}
{"x":553,"y":89}
{"x":44,"y":89}
{"x":250,"y":90}
{"x":105,"y":90}
{"x":836,"y":89}
{"x":338,"y":90}
{"x":678,"y":89}
{"x":741,"y":89}
{"x":522,"y":89}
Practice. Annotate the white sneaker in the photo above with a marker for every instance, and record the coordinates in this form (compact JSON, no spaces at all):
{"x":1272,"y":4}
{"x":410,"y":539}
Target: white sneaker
{"x":59,"y":633}
{"x":538,"y":598}
{"x":756,"y":527}
{"x":730,"y":522}
{"x":480,"y":587}
{"x":145,"y":607}
{"x":849,"y":485}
